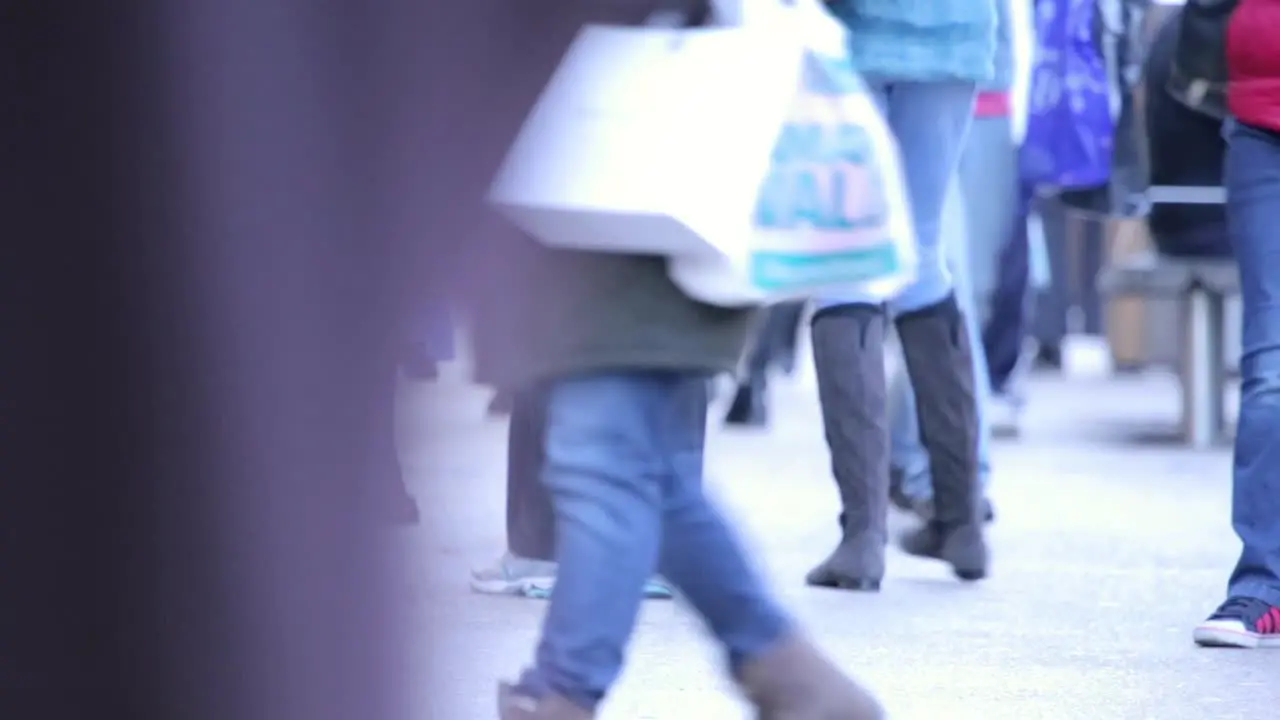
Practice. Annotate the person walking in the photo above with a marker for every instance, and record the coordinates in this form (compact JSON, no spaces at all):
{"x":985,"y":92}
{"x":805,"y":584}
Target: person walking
{"x":922,"y":60}
{"x":1250,"y":616}
{"x":1186,"y":148}
{"x":625,"y":360}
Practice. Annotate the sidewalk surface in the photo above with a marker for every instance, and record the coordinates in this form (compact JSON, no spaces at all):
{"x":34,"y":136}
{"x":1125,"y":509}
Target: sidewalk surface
{"x":1109,"y":545}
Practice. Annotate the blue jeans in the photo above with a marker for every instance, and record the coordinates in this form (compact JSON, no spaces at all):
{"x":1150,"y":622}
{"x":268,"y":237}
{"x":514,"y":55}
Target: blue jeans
{"x":1006,"y":325}
{"x":929,"y":120}
{"x":624,"y":467}
{"x":988,"y":180}
{"x":1253,"y":210}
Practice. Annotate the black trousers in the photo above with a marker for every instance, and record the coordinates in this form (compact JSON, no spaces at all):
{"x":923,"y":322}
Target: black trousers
{"x":1006,"y":325}
{"x":531,"y":520}
{"x":775,"y":341}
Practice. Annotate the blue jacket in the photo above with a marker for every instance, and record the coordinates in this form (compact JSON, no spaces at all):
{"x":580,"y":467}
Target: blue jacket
{"x":1002,"y":75}
{"x":921,"y":40}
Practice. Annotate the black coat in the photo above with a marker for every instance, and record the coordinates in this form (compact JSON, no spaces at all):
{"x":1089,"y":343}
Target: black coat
{"x":1199,"y":76}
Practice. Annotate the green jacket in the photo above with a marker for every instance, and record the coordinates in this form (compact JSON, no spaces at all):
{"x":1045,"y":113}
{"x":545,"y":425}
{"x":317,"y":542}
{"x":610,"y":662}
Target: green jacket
{"x":579,"y":312}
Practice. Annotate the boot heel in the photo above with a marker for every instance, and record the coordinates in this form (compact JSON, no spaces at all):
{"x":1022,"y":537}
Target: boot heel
{"x":970,"y":575}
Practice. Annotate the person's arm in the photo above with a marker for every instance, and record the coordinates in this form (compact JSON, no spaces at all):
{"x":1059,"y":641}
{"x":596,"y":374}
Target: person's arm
{"x":1199,"y":77}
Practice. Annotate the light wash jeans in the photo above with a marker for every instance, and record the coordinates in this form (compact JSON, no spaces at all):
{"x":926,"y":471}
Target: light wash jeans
{"x":624,"y":456}
{"x":906,"y":450}
{"x":1253,"y":210}
{"x":989,"y":189}
{"x":976,"y":222}
{"x":930,"y":121}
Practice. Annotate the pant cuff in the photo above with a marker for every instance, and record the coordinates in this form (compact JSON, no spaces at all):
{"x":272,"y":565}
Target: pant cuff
{"x":1257,"y":589}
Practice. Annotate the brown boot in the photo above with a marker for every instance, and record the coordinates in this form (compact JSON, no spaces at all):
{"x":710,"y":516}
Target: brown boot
{"x":514,"y":706}
{"x":794,"y":681}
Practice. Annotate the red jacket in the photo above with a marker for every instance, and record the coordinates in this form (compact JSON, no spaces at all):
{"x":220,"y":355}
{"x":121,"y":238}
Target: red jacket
{"x":1253,"y":63}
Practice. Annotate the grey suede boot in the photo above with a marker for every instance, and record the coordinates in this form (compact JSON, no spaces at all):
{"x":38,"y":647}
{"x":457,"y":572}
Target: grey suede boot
{"x":794,"y":681}
{"x":939,"y":363}
{"x":848,"y":353}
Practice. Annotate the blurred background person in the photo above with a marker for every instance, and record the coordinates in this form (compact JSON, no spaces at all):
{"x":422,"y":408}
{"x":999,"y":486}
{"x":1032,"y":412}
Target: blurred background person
{"x":774,"y":348}
{"x":1185,"y":149}
{"x":626,"y":359}
{"x":1022,"y":273}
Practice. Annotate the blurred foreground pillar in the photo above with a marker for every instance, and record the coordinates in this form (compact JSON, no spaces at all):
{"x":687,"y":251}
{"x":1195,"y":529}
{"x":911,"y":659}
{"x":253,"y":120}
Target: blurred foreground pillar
{"x":196,"y":333}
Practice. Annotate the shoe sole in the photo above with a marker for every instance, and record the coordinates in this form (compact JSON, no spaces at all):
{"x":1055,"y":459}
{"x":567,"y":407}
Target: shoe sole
{"x":531,"y":587}
{"x":1227,"y":636}
{"x":539,"y":588}
{"x":842,"y":583}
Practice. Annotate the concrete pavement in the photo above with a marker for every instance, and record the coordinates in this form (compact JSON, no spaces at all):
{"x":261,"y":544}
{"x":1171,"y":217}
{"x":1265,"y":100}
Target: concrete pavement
{"x":1107,"y":551}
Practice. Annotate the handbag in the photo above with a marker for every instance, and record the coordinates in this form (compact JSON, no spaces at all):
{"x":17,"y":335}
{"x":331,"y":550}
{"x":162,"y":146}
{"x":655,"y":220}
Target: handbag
{"x":1070,"y":128}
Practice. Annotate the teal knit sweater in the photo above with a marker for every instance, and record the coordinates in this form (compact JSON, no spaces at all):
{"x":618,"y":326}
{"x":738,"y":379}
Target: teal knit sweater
{"x":921,"y":40}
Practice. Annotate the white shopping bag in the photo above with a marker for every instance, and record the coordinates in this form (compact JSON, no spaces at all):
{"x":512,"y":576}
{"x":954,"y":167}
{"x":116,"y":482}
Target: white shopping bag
{"x":652,"y":140}
{"x":833,"y":214}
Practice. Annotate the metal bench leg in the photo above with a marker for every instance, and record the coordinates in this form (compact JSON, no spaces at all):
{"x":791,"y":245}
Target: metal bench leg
{"x":1217,"y":365}
{"x":1202,"y":373}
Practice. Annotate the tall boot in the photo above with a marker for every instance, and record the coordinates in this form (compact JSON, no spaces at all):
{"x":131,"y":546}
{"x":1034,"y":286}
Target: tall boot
{"x":939,"y":363}
{"x":848,"y":353}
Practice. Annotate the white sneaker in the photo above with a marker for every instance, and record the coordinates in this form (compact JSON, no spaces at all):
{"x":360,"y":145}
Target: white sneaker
{"x":514,"y":575}
{"x":1004,"y":415}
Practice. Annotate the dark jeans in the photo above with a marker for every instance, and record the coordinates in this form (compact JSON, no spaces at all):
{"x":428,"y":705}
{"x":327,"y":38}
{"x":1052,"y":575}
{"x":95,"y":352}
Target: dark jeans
{"x":531,"y":522}
{"x":775,"y":342}
{"x":1010,"y":300}
{"x":1075,"y":249}
{"x":1253,"y":210}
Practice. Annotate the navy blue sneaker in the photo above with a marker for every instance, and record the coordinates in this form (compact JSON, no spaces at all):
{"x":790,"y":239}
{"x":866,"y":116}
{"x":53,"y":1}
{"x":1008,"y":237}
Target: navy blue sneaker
{"x":1241,"y":623}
